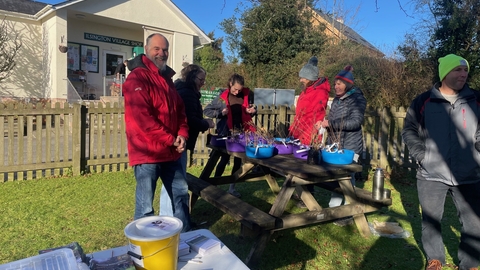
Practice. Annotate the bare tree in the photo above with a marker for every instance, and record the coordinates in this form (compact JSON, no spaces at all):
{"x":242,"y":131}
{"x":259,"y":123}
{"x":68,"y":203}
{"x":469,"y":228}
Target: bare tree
{"x":10,"y":44}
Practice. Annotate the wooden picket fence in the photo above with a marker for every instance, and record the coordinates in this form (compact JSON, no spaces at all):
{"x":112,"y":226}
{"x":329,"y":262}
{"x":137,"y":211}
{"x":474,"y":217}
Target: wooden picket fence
{"x":58,"y":139}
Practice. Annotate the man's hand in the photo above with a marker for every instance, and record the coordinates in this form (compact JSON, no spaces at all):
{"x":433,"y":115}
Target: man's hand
{"x":210,"y":122}
{"x":180,"y":143}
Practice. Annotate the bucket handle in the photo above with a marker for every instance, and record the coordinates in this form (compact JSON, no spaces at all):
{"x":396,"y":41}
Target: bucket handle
{"x":135,"y":255}
{"x":140,"y":257}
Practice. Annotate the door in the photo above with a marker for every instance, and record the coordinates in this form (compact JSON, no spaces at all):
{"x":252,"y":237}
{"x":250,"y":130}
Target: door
{"x":110,"y":61}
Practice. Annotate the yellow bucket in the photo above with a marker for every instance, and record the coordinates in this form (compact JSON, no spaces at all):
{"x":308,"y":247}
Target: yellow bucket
{"x":153,"y":242}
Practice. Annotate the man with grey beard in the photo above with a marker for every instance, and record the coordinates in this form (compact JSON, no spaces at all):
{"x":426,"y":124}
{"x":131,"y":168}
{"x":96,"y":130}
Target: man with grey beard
{"x":156,"y":127}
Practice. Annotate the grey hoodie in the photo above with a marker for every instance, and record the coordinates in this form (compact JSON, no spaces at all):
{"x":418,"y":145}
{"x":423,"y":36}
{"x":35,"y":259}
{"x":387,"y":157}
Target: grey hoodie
{"x":441,"y":136}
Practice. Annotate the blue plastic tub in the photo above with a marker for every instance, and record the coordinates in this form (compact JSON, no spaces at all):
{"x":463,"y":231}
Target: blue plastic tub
{"x":264,"y":151}
{"x":341,"y":157}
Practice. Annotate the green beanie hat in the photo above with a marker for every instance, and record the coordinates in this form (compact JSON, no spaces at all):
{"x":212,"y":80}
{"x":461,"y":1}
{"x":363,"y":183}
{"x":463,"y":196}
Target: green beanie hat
{"x":449,"y":62}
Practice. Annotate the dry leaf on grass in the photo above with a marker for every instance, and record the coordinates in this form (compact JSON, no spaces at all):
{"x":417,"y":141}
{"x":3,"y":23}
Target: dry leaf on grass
{"x":387,"y":227}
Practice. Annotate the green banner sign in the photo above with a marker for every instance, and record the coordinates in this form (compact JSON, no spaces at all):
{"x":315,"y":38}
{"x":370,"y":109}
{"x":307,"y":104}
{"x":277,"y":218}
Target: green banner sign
{"x":113,"y":40}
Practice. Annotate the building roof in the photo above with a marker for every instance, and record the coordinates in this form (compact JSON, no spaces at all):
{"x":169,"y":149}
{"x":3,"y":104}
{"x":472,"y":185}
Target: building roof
{"x":22,"y":6}
{"x":348,"y":32}
{"x":35,"y":10}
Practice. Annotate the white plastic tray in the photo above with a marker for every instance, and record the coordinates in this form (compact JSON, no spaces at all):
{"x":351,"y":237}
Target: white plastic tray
{"x":60,"y":259}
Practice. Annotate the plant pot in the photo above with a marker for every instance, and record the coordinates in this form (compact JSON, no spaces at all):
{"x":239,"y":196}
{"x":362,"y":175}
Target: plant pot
{"x":282,"y":148}
{"x":300,"y":151}
{"x":217,"y":141}
{"x":314,"y":156}
{"x":239,"y":138}
{"x":261,"y":151}
{"x":340,"y":157}
{"x":251,"y":138}
{"x":233,"y":145}
{"x":63,"y":48}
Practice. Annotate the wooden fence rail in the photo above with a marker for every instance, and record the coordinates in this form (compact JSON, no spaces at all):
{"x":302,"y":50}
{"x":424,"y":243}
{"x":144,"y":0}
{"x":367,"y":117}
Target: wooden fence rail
{"x":70,"y":139}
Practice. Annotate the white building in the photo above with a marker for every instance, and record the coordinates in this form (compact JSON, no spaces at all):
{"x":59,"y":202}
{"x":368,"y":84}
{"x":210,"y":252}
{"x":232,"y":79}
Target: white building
{"x":98,"y":35}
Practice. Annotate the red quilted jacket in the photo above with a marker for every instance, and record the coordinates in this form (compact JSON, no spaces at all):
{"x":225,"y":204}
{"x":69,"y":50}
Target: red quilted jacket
{"x":154,"y":113}
{"x":311,"y":107}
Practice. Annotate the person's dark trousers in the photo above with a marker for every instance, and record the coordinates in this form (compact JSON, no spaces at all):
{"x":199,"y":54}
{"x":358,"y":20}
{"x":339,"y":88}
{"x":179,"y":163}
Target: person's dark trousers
{"x":466,"y":198}
{"x":224,"y":159}
{"x":171,"y":174}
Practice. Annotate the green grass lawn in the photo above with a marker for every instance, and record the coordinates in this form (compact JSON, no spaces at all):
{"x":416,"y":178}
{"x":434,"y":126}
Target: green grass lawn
{"x":94,"y":209}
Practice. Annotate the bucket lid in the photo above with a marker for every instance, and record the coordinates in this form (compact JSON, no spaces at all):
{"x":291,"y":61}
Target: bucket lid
{"x":153,"y":228}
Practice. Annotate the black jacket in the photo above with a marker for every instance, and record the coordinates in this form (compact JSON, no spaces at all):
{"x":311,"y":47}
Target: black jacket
{"x":194,"y":112}
{"x":345,"y":120}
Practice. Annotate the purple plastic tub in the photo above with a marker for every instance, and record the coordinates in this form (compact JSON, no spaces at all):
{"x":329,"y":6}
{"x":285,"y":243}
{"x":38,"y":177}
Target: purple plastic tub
{"x":214,"y":141}
{"x":300,"y":151}
{"x":250,"y":138}
{"x":283,"y":149}
{"x":238,"y":138}
{"x":234,"y":146}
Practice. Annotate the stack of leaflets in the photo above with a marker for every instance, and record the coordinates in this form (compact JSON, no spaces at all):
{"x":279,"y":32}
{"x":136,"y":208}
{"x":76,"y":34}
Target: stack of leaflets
{"x":203,"y":245}
{"x":121,"y":262}
{"x":183,"y":249}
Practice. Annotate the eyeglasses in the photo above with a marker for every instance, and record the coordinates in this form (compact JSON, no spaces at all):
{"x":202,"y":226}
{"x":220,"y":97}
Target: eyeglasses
{"x":201,"y":79}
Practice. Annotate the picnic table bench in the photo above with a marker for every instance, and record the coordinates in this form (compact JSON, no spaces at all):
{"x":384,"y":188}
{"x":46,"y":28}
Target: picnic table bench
{"x":298,"y":174}
{"x":252,"y":217}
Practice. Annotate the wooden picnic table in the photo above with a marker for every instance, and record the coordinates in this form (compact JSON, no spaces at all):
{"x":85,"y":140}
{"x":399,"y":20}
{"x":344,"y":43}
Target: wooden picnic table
{"x":298,"y":174}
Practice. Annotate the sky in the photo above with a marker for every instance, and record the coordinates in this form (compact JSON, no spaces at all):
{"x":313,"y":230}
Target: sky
{"x":381,"y":22}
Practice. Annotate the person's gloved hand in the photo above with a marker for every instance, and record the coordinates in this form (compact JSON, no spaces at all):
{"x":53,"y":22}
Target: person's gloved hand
{"x":477,"y":146}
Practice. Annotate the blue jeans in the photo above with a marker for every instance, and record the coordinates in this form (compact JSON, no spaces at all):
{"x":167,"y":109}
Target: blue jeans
{"x":338,"y":199}
{"x":466,"y":198}
{"x":166,"y":208}
{"x":172,"y":176}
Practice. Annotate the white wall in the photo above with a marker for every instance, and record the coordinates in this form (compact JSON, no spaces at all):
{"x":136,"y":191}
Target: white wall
{"x":182,"y":52}
{"x":26,"y":78}
{"x":155,"y":13}
{"x":54,"y":61}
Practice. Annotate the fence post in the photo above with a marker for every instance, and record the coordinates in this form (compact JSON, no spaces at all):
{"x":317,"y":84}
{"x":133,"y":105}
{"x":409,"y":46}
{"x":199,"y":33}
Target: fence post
{"x":76,"y":131}
{"x":385,"y":121}
{"x":79,"y":133}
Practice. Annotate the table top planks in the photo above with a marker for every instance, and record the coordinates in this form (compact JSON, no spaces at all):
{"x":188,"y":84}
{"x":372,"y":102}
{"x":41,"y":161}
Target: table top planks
{"x":288,"y":164}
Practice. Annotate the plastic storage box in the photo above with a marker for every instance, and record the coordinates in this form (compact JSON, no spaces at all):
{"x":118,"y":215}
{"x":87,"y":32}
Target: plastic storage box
{"x":341,"y":157}
{"x":60,"y":259}
{"x":265,"y":151}
{"x":300,"y":151}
